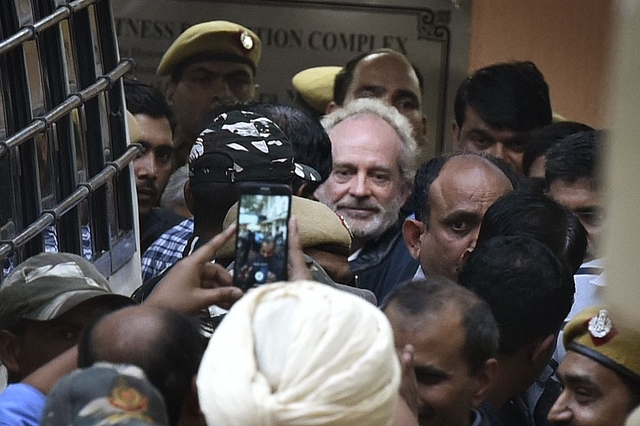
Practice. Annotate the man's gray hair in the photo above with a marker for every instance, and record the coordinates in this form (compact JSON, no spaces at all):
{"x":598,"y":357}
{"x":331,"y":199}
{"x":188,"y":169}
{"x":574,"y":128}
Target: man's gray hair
{"x":399,"y":123}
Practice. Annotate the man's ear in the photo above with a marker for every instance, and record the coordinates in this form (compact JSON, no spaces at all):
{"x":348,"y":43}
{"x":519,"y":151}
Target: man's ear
{"x":169,"y":91}
{"x":188,"y":196}
{"x":412,"y":229}
{"x":455,"y":133}
{"x":319,"y":193}
{"x":300,"y":191}
{"x":463,"y":259}
{"x":331,"y":106}
{"x":424,"y":126}
{"x":10,"y":351}
{"x":542,"y":350}
{"x":484,"y":379}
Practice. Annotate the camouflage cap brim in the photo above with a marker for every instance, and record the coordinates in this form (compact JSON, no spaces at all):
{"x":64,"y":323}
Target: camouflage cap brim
{"x":48,"y":285}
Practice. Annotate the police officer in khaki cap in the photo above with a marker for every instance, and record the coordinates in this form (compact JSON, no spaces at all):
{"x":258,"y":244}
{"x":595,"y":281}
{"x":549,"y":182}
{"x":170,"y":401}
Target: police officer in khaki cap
{"x":601,"y":372}
{"x":314,"y":88}
{"x":208,"y":64}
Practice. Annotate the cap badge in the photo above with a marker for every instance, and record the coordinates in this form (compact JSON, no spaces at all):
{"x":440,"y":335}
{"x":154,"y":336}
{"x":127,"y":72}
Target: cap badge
{"x":128,"y":399}
{"x":601,"y":328}
{"x":600,"y":325}
{"x":246,"y":40}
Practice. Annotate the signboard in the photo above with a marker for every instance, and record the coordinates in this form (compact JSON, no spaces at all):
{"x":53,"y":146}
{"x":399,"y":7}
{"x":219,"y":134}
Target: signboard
{"x":302,"y":34}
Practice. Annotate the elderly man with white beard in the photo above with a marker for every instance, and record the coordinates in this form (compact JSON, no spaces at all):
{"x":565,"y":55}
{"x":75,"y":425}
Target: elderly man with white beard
{"x":374,"y":156}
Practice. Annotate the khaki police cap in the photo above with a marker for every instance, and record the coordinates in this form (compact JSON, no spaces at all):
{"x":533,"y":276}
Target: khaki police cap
{"x":217,"y":39}
{"x":318,"y":227}
{"x":135,"y":133}
{"x":315,"y":86}
{"x":595,"y":334}
{"x":557,"y":118}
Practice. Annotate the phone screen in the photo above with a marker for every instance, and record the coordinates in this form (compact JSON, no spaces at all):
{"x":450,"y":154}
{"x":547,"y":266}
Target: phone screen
{"x":262,"y":236}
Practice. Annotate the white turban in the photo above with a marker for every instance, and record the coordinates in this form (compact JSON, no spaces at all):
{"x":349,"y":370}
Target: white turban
{"x":300,"y":354}
{"x":634,"y":418}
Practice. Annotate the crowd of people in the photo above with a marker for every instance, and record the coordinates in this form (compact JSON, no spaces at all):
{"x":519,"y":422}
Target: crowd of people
{"x":463,"y":291}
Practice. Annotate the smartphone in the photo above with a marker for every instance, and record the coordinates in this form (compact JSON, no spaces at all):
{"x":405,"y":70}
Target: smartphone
{"x":262,"y":235}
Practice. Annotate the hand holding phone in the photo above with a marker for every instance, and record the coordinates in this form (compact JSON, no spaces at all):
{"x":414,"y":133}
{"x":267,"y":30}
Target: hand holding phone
{"x":262,"y":235}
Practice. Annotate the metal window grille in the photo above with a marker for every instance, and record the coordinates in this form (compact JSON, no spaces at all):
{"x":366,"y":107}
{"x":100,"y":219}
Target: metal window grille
{"x":63,"y":144}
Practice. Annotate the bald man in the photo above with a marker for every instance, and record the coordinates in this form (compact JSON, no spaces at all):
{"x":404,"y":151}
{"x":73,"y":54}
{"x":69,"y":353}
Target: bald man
{"x":164,"y":343}
{"x":455,"y":192}
{"x":386,"y":75}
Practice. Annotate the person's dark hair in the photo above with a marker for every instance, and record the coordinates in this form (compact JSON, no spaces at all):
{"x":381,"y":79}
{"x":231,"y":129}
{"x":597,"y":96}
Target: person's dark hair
{"x":310,"y":142}
{"x":211,"y":202}
{"x":170,"y":364}
{"x":415,"y":299}
{"x":634,"y":391}
{"x":540,"y":140}
{"x":537,"y":216}
{"x":508,"y":95}
{"x":574,"y":157}
{"x":426,"y":174}
{"x":145,"y":99}
{"x":430,"y":170}
{"x":528,"y":288}
{"x":344,"y":78}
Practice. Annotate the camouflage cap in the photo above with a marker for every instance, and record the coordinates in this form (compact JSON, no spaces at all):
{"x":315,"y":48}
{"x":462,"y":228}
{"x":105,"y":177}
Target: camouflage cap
{"x":315,"y":86}
{"x":47,"y":285}
{"x":215,"y":40}
{"x":242,"y":146}
{"x":594,"y":334}
{"x":109,"y":394}
{"x":318,"y":227}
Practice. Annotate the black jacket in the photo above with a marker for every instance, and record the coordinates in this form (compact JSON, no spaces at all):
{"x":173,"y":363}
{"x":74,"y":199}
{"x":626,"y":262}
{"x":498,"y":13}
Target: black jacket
{"x":384,"y":263}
